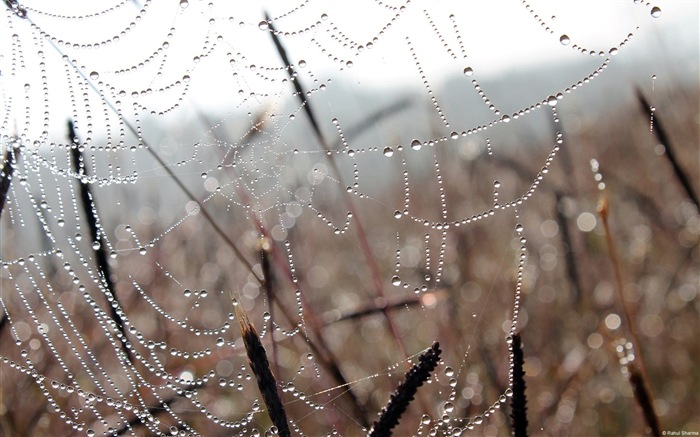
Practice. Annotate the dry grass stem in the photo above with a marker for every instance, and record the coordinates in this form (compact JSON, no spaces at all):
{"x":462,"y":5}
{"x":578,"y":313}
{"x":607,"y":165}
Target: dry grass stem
{"x":641,"y":377}
{"x":380,"y":308}
{"x":361,"y":234}
{"x":257,"y":358}
{"x":570,"y":261}
{"x":158,"y":409}
{"x":90,"y":210}
{"x":670,"y":154}
{"x":6,"y":175}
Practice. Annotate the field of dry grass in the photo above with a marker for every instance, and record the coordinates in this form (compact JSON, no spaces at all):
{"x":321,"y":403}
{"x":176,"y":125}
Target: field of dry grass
{"x":575,"y":382}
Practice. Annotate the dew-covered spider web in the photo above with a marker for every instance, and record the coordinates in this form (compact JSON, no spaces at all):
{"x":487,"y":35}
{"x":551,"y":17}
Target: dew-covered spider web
{"x":363,"y":179}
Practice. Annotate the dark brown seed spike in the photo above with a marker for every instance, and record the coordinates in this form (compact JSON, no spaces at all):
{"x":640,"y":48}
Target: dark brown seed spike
{"x":405,"y":392}
{"x":644,"y":399}
{"x":257,"y":358}
{"x":518,"y":403}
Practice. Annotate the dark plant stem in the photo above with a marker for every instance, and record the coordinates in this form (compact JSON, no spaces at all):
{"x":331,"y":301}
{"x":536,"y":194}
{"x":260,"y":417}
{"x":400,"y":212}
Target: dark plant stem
{"x":372,"y":120}
{"x":90,"y":210}
{"x":405,"y":392}
{"x":207,"y":216}
{"x":319,"y":347}
{"x":361,"y":234}
{"x":644,"y":399}
{"x":268,"y":282}
{"x":660,"y":132}
{"x":257,"y":358}
{"x":6,"y":175}
{"x":3,"y":322}
{"x":571,"y":267}
{"x":16,"y":8}
{"x":375,"y":309}
{"x":518,"y":402}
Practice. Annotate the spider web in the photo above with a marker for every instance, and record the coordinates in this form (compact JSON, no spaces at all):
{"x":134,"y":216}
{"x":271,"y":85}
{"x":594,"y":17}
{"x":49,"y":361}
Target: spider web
{"x":218,"y":173}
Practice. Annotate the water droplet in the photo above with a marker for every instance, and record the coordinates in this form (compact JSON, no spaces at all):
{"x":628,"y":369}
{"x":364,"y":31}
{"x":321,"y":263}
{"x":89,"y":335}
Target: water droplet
{"x":204,"y":175}
{"x":449,"y":371}
{"x":220,"y":342}
{"x":552,"y":101}
{"x":425,"y":419}
{"x":496,"y":184}
{"x":397,"y":214}
{"x":263,"y":25}
{"x":468,"y":71}
{"x":388,"y":151}
{"x":302,"y":63}
{"x":94,"y":75}
{"x":564,"y":39}
{"x":505,"y":119}
{"x":186,"y":78}
{"x":142,"y":251}
{"x":96,"y":245}
{"x":395,"y":281}
{"x":184,"y":4}
{"x":416,"y":144}
{"x":519,"y":228}
{"x":656,"y":12}
{"x":449,"y":407}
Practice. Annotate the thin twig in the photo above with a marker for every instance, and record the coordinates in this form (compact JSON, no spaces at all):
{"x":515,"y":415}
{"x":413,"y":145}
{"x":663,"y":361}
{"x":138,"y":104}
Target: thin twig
{"x":153,"y":411}
{"x":643,"y":375}
{"x":371,"y":120}
{"x":375,"y":309}
{"x":571,"y":266}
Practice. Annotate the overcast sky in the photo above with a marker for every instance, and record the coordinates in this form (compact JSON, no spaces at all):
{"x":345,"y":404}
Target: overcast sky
{"x":498,"y":37}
